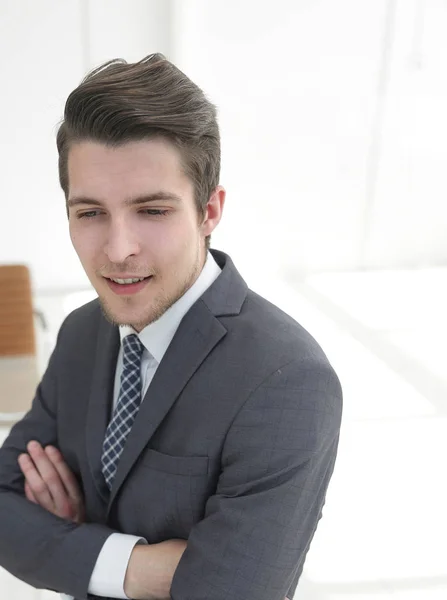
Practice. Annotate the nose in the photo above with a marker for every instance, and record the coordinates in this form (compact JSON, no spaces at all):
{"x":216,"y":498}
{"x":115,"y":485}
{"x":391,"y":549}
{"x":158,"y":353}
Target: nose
{"x":121,"y":242}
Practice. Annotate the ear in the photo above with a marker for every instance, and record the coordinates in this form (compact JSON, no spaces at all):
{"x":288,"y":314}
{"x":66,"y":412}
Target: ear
{"x":213,"y":211}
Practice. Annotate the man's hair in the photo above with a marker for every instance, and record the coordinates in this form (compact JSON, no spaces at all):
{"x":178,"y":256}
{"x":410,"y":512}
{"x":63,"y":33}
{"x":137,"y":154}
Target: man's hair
{"x":121,"y":102}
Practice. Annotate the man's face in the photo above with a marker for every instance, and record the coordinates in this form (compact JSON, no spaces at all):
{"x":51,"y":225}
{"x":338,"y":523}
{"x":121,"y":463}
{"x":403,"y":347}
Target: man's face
{"x":132,"y":215}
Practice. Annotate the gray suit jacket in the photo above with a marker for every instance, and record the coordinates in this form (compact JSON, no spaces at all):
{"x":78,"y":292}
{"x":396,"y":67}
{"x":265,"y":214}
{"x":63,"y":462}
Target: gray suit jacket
{"x":233,"y":449}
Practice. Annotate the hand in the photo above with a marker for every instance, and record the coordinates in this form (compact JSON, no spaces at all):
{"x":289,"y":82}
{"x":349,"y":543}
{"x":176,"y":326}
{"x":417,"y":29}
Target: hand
{"x":151,"y":569}
{"x":50,"y":483}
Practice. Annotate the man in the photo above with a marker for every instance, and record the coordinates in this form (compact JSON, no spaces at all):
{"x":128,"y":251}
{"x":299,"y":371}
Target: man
{"x":184,"y":434}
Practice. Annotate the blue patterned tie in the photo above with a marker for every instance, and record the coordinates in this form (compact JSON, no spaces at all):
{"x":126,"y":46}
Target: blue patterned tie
{"x":126,"y":409}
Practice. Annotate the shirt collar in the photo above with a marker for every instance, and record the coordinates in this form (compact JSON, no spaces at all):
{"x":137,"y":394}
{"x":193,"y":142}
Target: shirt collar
{"x":157,"y":336}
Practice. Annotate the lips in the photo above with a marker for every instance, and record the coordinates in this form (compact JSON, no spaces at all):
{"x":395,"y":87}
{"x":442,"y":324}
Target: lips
{"x":123,"y":289}
{"x":126,"y":280}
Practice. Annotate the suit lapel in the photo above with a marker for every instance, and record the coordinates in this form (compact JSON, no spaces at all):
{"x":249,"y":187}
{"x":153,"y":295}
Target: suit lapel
{"x":197,"y":335}
{"x":100,"y":402}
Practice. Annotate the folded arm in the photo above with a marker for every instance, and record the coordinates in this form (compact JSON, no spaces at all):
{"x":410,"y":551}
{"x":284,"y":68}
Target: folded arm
{"x":40,"y":548}
{"x":50,"y":484}
{"x":44,"y":540}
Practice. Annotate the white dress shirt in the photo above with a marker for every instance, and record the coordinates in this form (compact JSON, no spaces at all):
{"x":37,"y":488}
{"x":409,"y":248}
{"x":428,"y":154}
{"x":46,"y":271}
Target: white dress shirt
{"x":110,"y":570}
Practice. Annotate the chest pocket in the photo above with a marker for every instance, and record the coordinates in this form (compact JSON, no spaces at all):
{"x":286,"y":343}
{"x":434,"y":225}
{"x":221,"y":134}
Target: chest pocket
{"x":165,"y":496}
{"x":191,"y":466}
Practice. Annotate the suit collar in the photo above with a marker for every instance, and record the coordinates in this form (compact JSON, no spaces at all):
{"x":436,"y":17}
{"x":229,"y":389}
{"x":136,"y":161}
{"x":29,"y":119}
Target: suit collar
{"x":227,"y":294}
{"x":157,"y":336}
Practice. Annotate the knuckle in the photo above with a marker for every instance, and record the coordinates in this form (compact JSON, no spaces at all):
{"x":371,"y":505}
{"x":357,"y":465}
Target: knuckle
{"x":39,"y":488}
{"x":52,"y":479}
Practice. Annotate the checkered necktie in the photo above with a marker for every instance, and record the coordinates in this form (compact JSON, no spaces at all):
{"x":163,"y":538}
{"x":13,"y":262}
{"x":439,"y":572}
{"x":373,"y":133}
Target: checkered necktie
{"x":126,"y":409}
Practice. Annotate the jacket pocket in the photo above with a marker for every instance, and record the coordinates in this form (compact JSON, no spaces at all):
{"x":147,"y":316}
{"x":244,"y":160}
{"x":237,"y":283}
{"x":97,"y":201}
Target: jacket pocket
{"x":176,"y":465}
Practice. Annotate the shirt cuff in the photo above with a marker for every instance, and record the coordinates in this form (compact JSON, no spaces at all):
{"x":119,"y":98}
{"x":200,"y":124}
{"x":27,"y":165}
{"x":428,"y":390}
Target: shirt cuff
{"x":110,"y":569}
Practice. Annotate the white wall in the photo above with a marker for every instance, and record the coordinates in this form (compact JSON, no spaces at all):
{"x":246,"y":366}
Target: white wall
{"x":407,"y":225}
{"x":40,"y":61}
{"x":334,"y":147}
{"x":296,"y":88}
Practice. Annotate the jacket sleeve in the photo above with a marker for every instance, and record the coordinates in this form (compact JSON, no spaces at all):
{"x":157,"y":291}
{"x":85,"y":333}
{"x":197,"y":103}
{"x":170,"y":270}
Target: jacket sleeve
{"x":277,"y":461}
{"x":39,"y":548}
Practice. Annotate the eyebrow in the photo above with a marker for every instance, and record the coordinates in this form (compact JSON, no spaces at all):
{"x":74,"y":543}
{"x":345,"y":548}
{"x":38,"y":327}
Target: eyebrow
{"x":156,"y":196}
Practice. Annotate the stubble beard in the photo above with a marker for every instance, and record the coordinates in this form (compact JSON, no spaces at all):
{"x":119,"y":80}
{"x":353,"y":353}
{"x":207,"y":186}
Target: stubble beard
{"x":159,"y":305}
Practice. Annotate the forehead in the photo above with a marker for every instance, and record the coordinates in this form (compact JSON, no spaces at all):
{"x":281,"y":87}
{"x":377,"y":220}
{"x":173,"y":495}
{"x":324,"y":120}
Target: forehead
{"x":96,"y":169}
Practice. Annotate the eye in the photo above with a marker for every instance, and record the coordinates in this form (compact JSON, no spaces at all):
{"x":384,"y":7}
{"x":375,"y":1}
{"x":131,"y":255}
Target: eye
{"x":88,"y":215}
{"x":153,"y":212}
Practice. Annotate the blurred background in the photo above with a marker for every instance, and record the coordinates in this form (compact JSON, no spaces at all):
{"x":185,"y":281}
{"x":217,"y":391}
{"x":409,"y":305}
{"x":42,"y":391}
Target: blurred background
{"x":334,"y":140}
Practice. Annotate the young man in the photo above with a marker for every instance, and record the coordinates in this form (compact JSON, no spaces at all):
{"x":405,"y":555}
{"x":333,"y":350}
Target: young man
{"x":183,"y":437}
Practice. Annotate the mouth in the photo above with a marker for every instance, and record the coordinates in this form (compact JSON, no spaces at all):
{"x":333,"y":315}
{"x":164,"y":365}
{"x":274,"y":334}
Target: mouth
{"x":127,"y":287}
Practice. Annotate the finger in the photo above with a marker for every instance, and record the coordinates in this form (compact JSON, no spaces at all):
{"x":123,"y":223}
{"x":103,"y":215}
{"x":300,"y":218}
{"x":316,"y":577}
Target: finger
{"x":50,"y":477}
{"x":29,"y":494}
{"x":35,"y":482}
{"x":76,"y":499}
{"x":68,"y":479}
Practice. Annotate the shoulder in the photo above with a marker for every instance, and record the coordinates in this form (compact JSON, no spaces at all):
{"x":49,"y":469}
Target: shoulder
{"x":266,"y":349}
{"x":84,"y":317}
{"x":266,"y":330}
{"x":296,"y":384}
{"x":80,"y":329}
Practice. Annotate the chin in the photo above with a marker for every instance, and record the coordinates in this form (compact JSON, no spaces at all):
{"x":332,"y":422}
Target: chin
{"x":136,"y":319}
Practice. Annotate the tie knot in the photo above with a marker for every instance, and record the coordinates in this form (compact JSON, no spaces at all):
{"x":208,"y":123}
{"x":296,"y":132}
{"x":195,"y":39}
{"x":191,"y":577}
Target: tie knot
{"x":132,"y":350}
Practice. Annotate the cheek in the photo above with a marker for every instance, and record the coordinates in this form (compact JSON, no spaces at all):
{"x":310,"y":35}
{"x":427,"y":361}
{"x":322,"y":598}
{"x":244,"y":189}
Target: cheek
{"x":174,"y":240}
{"x":85,"y":243}
{"x":185,"y":243}
{"x":75,"y":238}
